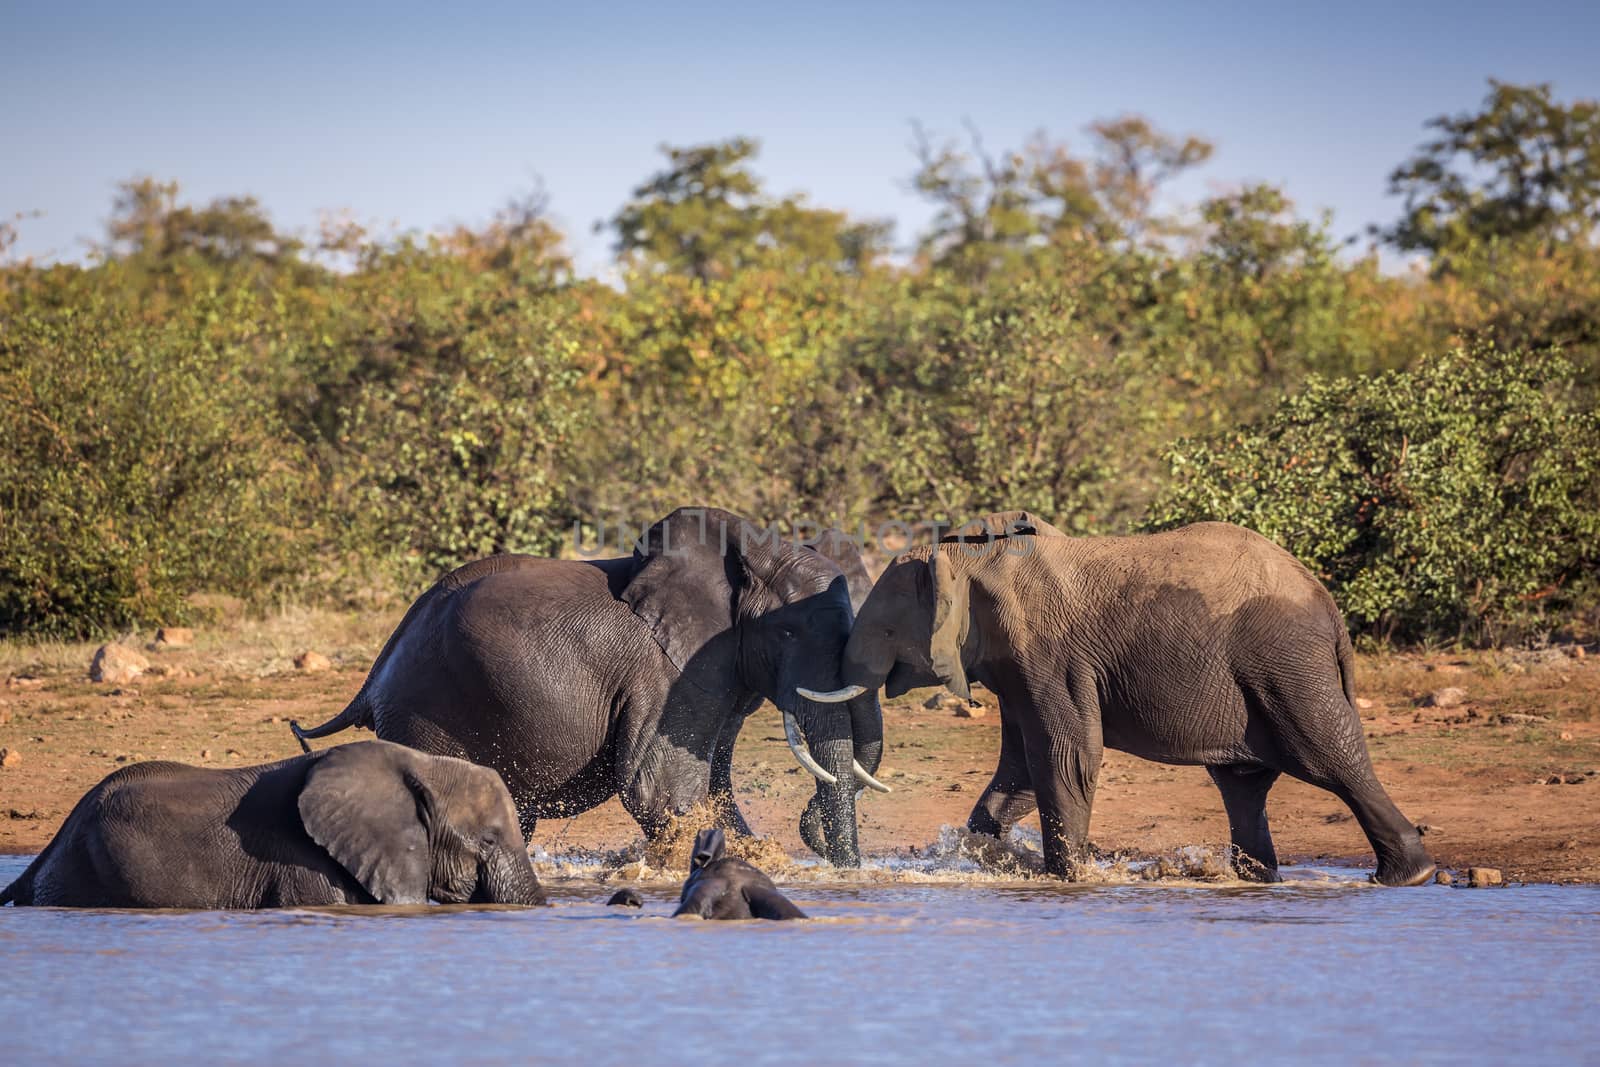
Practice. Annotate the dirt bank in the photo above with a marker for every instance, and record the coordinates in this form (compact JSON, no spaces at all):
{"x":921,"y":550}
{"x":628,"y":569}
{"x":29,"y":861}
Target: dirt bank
{"x":1505,"y":778}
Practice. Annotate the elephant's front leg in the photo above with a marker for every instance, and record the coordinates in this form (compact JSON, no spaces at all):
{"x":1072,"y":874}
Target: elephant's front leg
{"x":1064,"y":751}
{"x":1009,"y":796}
{"x":668,"y":781}
{"x":727,"y":809}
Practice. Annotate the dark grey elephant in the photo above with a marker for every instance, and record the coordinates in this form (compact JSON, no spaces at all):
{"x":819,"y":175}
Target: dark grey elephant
{"x":358,"y":824}
{"x":578,"y":680}
{"x":722,"y":887}
{"x":843,"y":552}
{"x":1204,"y":645}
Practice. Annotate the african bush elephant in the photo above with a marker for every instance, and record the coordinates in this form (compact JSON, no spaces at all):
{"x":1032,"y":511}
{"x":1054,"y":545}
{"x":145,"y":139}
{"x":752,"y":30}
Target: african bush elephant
{"x":581,"y":680}
{"x":1203,"y":645}
{"x":358,"y":824}
{"x":722,"y":887}
{"x":837,"y":547}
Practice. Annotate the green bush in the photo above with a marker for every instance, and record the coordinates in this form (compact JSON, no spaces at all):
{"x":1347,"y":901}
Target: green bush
{"x":449,"y":459}
{"x":1458,"y":500}
{"x":139,"y":462}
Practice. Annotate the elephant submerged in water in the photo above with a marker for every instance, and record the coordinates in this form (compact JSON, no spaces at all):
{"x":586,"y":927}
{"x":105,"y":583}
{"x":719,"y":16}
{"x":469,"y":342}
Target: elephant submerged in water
{"x":724,"y":887}
{"x":578,"y":680}
{"x":1204,"y":645}
{"x":357,"y":824}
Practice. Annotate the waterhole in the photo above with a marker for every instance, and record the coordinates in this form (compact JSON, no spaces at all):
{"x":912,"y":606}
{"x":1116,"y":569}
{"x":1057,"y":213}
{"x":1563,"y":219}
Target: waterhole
{"x":928,"y":957}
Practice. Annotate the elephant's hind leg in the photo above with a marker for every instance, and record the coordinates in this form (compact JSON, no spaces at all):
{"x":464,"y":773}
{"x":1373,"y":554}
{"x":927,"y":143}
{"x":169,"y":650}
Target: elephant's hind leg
{"x":1336,"y":759}
{"x":1244,"y":791}
{"x":1009,"y":796}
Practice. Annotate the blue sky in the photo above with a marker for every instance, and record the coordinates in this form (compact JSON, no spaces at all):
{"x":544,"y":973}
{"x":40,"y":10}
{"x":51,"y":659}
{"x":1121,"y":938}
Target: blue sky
{"x":422,"y":116}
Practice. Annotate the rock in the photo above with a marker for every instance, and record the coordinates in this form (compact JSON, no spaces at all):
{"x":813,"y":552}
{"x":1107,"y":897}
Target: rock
{"x":116,"y":664}
{"x":957,"y":706}
{"x":1444,"y":878}
{"x":1578,"y":652}
{"x":1447,"y":668}
{"x":1554,"y":779}
{"x":205,"y":753}
{"x":1510,"y":718}
{"x":1448,"y":697}
{"x":9,"y":758}
{"x":954,"y":787}
{"x":174,"y":637}
{"x":1483,"y":877}
{"x":1566,"y":735}
{"x":1364,"y":704}
{"x":1426,"y":828}
{"x":312,"y":662}
{"x":168,"y":670}
{"x":24,"y":682}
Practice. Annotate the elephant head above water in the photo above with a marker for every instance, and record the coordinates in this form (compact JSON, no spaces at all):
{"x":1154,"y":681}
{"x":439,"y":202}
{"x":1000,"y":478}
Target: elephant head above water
{"x":581,"y":680}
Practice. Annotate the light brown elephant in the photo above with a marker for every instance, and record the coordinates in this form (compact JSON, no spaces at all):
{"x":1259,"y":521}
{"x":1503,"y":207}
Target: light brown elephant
{"x":1204,"y":645}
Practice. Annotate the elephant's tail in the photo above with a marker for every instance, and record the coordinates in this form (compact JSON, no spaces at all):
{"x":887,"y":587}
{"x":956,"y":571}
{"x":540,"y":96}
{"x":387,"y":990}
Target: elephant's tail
{"x":359,"y":711}
{"x":1347,"y":659}
{"x":356,"y":713}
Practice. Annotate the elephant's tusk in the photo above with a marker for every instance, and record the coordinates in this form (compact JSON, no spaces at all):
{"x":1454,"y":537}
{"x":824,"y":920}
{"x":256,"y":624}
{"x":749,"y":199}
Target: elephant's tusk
{"x":838,"y":696}
{"x":866,"y":779}
{"x":791,"y":730}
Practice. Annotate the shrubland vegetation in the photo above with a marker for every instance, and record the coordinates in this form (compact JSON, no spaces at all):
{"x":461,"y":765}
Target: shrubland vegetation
{"x":212,"y":404}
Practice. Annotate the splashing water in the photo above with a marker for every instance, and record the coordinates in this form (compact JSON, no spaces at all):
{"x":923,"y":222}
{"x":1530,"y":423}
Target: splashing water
{"x":956,"y":856}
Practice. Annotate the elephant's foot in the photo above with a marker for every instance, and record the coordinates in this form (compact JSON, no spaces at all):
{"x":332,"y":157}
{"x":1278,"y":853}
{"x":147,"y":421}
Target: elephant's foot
{"x":1417,"y":870}
{"x":1249,"y":869}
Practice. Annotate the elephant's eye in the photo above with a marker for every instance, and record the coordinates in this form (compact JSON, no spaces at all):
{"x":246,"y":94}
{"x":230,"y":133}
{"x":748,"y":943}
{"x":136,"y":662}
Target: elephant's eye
{"x":788,"y":632}
{"x":489,"y":840}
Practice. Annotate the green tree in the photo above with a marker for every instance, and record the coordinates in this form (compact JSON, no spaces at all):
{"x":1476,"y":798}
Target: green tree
{"x":148,"y":222}
{"x":707,"y":215}
{"x":994,"y":212}
{"x":1523,"y":167}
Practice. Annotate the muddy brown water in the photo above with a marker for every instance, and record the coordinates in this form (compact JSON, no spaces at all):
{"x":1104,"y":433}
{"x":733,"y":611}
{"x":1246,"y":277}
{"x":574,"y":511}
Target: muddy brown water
{"x":916,"y":960}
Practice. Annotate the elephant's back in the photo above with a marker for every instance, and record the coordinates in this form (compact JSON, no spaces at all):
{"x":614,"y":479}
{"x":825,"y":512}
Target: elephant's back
{"x":511,"y":662}
{"x":1218,"y":566}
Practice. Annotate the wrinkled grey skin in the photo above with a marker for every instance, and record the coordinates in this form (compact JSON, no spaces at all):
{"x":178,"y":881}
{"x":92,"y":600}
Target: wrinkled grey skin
{"x":840,"y":549}
{"x":1205,"y":645}
{"x":368,"y":823}
{"x":579,"y":681}
{"x":722,"y":887}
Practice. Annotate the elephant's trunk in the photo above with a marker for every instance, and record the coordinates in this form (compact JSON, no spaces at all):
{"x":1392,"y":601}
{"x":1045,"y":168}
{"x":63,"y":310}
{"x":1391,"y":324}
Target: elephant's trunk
{"x":837,"y":804}
{"x":828,"y":824}
{"x":508,"y":878}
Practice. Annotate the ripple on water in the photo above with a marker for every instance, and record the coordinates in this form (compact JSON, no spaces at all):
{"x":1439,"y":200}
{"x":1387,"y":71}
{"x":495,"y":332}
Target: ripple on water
{"x":923,"y":957}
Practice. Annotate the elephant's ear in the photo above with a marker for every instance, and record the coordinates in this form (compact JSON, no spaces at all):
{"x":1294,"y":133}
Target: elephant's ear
{"x":949,"y":623}
{"x":367,"y":808}
{"x":687,"y":583}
